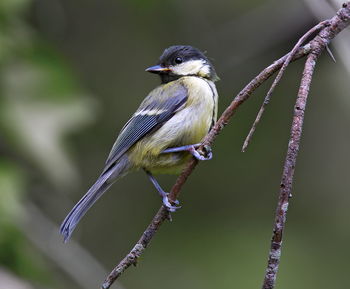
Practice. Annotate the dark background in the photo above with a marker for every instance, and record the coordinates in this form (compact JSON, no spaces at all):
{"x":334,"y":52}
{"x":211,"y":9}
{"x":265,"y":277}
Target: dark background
{"x":72,"y":72}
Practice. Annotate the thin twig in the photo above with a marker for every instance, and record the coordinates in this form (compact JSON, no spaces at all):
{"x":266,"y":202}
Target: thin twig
{"x":162,"y":214}
{"x":330,"y":53}
{"x":288,"y":173}
{"x":320,"y":42}
{"x":267,"y":99}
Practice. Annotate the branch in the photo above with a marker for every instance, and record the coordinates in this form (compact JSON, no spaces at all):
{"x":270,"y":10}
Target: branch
{"x":336,"y":24}
{"x":267,"y":99}
{"x":162,"y":214}
{"x":288,"y":173}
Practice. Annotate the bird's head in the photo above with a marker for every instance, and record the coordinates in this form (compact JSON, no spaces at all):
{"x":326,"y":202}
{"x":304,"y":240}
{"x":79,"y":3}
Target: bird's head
{"x":180,"y":60}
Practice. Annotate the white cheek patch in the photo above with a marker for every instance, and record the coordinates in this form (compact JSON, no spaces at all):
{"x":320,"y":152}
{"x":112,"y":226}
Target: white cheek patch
{"x":192,"y":67}
{"x":204,"y":71}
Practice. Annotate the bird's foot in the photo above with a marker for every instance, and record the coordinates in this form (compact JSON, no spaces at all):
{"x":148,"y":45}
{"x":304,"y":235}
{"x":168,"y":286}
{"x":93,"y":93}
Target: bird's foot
{"x":205,"y":155}
{"x":168,"y":205}
{"x":164,"y":195}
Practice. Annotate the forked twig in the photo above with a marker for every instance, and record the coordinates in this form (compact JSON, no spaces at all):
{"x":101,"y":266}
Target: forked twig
{"x":320,"y":42}
{"x":267,"y":99}
{"x":336,"y":24}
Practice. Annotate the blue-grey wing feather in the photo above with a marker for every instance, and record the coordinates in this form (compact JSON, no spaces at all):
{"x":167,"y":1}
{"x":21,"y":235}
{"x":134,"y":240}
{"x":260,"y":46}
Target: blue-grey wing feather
{"x":139,"y":125}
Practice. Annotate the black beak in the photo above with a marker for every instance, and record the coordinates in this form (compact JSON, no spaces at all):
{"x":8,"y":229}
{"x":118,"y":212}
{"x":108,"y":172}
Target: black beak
{"x":158,"y":69}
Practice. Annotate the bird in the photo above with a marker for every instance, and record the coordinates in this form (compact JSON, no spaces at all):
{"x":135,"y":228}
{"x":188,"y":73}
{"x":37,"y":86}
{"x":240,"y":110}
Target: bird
{"x":164,"y":132}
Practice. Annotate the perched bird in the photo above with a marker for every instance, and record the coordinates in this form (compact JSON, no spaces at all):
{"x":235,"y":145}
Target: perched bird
{"x":165,"y":130}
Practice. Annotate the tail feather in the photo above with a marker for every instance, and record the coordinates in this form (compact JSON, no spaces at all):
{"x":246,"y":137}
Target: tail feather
{"x":94,"y":193}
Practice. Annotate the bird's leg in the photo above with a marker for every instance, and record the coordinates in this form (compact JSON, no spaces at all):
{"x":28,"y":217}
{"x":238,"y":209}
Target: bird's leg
{"x":163,"y":194}
{"x":192,"y":150}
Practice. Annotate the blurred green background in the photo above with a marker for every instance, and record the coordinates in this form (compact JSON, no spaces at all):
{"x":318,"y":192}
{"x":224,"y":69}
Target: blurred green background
{"x":72,"y":72}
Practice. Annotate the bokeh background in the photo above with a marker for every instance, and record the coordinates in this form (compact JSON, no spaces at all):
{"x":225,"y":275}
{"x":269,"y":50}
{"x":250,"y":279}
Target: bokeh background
{"x":72,"y":72}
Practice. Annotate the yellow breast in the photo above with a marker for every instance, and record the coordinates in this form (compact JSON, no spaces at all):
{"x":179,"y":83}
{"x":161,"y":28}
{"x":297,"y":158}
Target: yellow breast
{"x":188,"y":126}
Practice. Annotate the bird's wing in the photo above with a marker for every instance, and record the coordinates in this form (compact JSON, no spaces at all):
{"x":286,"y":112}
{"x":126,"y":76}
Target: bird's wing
{"x":150,"y":116}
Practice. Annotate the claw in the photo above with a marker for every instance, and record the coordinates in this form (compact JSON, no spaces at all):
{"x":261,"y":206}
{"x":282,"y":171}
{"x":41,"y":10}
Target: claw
{"x":169,"y":206}
{"x":207,"y":149}
{"x":198,"y":156}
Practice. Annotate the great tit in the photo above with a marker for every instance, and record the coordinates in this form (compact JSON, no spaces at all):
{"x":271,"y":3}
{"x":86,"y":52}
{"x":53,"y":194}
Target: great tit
{"x":165,"y":130}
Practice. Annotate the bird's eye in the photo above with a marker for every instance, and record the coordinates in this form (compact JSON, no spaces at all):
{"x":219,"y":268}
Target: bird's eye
{"x":178,"y":60}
